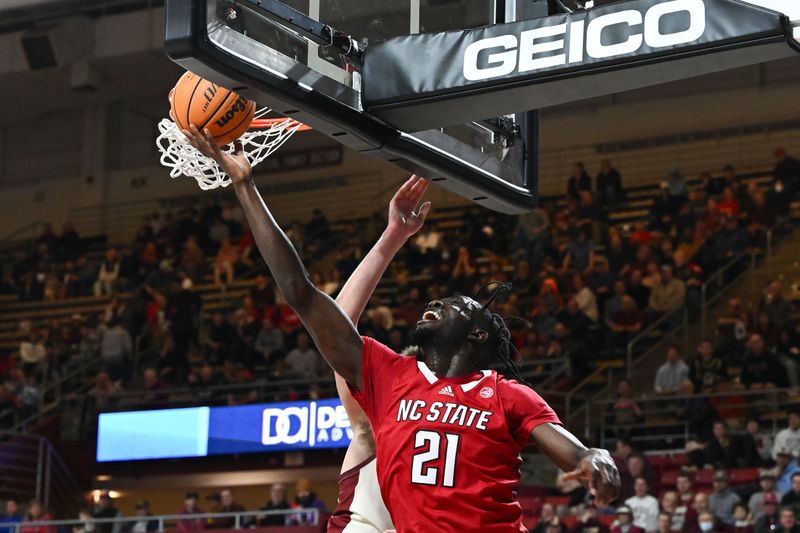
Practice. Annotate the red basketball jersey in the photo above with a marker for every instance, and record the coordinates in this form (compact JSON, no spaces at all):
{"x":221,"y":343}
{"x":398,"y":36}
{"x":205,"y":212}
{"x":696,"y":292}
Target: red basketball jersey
{"x":447,"y":448}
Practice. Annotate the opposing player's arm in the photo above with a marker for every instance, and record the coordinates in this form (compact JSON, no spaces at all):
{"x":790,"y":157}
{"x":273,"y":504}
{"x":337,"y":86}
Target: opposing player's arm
{"x":592,"y":466}
{"x":404,"y":221}
{"x":333,"y":333}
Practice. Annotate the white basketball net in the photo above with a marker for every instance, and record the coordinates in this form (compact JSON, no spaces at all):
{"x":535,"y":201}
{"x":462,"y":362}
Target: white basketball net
{"x":183,"y":159}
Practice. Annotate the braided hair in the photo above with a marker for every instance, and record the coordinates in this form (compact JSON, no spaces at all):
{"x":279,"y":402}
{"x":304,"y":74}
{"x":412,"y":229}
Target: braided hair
{"x":506,"y":347}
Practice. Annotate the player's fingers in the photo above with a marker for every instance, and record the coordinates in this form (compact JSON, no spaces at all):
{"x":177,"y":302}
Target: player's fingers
{"x":423,"y":211}
{"x":238,"y":149}
{"x":575,"y":475}
{"x":418,"y":189}
{"x":405,"y":187}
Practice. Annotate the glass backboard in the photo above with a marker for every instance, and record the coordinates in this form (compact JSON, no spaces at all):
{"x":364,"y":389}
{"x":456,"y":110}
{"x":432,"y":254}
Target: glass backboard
{"x":244,"y":45}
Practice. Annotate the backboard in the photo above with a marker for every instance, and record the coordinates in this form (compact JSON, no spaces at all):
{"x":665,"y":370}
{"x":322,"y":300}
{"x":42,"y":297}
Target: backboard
{"x":443,"y":87}
{"x":245,"y":45}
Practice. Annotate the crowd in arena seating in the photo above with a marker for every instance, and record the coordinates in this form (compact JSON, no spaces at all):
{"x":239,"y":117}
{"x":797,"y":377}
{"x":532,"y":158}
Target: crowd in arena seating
{"x":729,"y":495}
{"x":299,"y":509}
{"x":586,"y":286}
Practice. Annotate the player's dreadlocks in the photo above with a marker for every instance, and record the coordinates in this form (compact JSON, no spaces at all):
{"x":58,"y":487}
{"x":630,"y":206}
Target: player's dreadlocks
{"x":505,"y":347}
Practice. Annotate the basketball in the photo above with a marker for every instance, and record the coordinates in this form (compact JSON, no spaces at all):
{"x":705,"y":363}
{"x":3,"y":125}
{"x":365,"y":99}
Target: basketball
{"x":197,"y":101}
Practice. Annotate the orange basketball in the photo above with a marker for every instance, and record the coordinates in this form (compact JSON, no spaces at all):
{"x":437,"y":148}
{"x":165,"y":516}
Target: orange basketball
{"x":207,"y":105}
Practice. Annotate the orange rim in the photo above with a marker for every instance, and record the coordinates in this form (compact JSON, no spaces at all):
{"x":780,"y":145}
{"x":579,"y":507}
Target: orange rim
{"x":266,"y":123}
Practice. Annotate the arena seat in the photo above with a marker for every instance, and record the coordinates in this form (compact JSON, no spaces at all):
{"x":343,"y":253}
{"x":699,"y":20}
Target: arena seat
{"x":742,"y":476}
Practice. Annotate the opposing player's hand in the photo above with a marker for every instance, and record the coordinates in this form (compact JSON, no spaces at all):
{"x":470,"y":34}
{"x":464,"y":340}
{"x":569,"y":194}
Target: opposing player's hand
{"x":597,"y":470}
{"x":235,"y":165}
{"x":404,"y":217}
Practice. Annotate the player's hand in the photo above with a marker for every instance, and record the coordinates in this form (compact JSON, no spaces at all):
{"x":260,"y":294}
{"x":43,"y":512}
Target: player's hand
{"x":597,"y":470}
{"x":235,"y":165}
{"x":404,"y":217}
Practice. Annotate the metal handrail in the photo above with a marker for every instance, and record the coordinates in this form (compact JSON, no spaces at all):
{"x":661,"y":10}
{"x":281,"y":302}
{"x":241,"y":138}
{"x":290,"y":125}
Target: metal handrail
{"x":572,"y":393}
{"x":771,"y":232}
{"x":645,"y":333}
{"x":311,"y":512}
{"x":650,"y":407}
{"x":717,"y":277}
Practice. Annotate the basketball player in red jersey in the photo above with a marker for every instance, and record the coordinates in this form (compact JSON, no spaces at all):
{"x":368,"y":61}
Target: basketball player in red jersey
{"x":447,"y":432}
{"x":360,"y":507}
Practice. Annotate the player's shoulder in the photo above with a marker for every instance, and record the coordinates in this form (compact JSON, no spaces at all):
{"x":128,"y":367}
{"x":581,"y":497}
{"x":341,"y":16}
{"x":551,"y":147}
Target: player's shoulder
{"x":512,"y":391}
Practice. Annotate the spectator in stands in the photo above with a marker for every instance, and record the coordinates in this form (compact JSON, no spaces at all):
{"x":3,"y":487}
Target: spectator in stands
{"x":722,"y":499}
{"x":579,"y":181}
{"x":584,"y":297}
{"x":225,"y":262}
{"x":775,"y":305}
{"x":609,"y":184}
{"x":546,"y":516}
{"x":672,"y":376}
{"x":531,"y":233}
{"x":32,"y":353}
{"x":143,"y":524}
{"x":664,"y":521}
{"x":11,"y":515}
{"x":624,"y":522}
{"x":190,"y":507}
{"x":699,"y":507}
{"x":572,"y":488}
{"x":769,"y":518}
{"x":105,"y":509}
{"x":789,"y":437}
{"x":192,"y":259}
{"x":625,"y":412}
{"x":277,"y":502}
{"x":787,"y":171}
{"x":269,"y":341}
{"x":676,"y":512}
{"x":116,"y":348}
{"x":683,"y":486}
{"x":30,"y":397}
{"x":579,"y":256}
{"x":792,"y":498}
{"x":304,"y":361}
{"x":729,"y":241}
{"x":108,"y":275}
{"x":306,"y":498}
{"x":705,"y":523}
{"x":667,"y":295}
{"x":37,"y":513}
{"x":588,"y":521}
{"x":644,"y":506}
{"x":229,"y":505}
{"x":183,"y":313}
{"x":741,"y":522}
{"x":761,"y":368}
{"x":785,"y":467}
{"x":707,"y":369}
{"x":720,"y":451}
{"x":676,"y":185}
{"x":766,"y":482}
{"x":223,"y":340}
{"x":788,"y":522}
{"x":624,"y":324}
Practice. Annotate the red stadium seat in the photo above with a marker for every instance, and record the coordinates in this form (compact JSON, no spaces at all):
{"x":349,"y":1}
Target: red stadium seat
{"x":669,"y":478}
{"x":557,"y":501}
{"x":607,"y":519}
{"x":704,"y":476}
{"x":741,"y":476}
{"x":569,"y":521}
{"x":531,"y":505}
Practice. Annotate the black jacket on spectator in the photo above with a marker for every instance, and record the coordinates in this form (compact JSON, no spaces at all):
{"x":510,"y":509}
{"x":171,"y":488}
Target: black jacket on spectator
{"x":764,"y":368}
{"x":788,"y":171}
{"x":705,"y":374}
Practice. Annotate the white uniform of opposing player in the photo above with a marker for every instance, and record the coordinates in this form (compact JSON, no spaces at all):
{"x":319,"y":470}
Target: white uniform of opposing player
{"x":361,"y":508}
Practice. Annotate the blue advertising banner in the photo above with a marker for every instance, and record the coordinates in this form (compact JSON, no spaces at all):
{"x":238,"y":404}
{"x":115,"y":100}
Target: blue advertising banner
{"x":202,"y":431}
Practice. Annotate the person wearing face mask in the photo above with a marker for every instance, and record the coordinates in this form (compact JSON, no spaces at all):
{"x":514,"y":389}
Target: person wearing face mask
{"x":705,"y":523}
{"x":741,"y":524}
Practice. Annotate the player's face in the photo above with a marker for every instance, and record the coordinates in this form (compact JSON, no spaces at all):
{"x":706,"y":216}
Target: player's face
{"x":454,"y":314}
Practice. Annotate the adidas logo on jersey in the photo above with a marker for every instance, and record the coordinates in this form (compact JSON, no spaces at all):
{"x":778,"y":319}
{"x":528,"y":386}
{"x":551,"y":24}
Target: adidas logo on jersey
{"x":447,"y":391}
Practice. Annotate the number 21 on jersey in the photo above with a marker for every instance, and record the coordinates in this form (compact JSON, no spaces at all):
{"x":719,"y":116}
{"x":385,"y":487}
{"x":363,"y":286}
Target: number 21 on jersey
{"x":430,"y":448}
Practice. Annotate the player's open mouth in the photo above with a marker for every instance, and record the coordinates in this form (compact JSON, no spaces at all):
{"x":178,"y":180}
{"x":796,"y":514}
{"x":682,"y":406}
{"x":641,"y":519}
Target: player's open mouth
{"x":430,"y":316}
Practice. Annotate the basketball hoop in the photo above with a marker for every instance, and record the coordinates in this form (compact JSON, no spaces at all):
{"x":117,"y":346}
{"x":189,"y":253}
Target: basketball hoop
{"x":264,"y":137}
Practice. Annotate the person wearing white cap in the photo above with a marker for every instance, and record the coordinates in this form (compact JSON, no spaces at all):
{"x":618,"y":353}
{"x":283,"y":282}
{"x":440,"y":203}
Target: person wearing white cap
{"x":624,"y":522}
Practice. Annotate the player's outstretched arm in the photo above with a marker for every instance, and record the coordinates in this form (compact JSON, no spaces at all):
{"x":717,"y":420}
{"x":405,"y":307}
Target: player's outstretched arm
{"x":332,"y":331}
{"x":592,"y":466}
{"x":404,"y":221}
